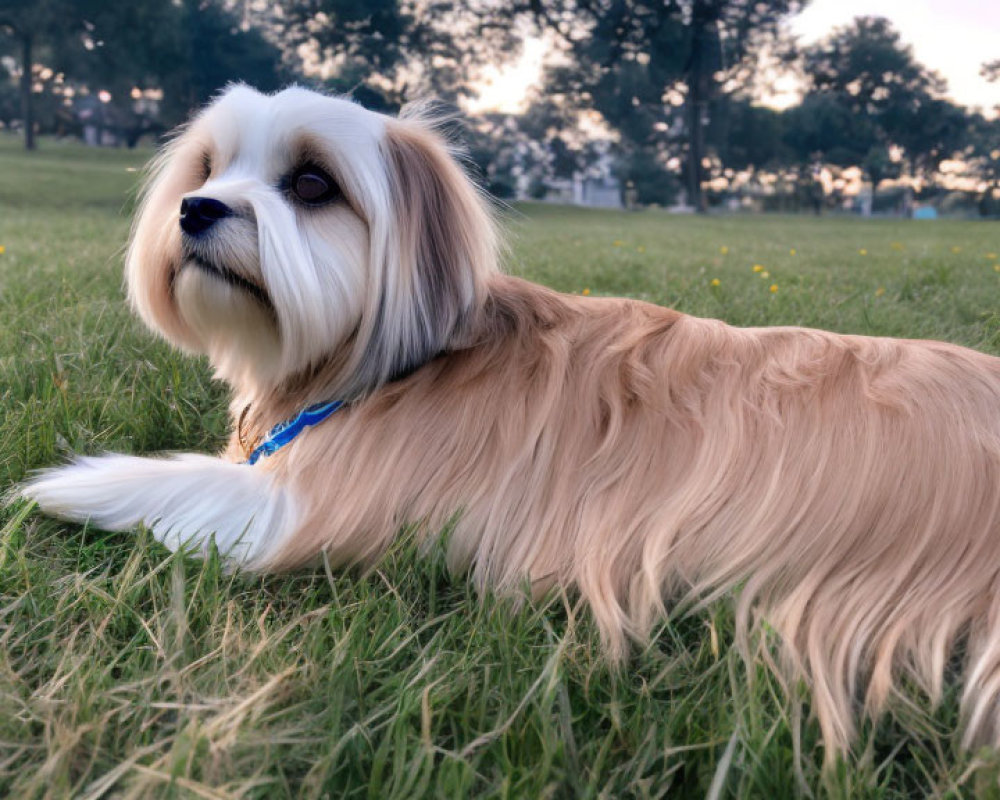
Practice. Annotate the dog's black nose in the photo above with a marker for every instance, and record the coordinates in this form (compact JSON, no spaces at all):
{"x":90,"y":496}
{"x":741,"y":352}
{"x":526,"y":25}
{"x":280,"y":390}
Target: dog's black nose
{"x":198,"y":214}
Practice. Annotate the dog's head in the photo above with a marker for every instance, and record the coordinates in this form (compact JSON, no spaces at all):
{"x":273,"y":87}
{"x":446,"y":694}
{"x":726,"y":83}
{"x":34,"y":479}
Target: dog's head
{"x":281,"y":234}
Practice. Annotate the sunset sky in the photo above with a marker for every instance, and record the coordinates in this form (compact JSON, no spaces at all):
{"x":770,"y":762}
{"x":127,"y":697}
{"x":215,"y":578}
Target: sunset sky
{"x":953,"y":37}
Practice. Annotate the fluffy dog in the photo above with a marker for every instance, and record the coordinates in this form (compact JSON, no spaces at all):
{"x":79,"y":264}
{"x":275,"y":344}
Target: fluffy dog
{"x":340,"y":272}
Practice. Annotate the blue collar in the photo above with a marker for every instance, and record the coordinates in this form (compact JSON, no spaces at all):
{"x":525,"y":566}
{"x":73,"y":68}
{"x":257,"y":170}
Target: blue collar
{"x":282,"y":433}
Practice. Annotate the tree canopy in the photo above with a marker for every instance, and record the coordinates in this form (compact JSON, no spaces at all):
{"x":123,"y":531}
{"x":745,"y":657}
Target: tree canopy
{"x":864,"y":72}
{"x":187,"y":50}
{"x":675,"y":83}
{"x":653,"y":70}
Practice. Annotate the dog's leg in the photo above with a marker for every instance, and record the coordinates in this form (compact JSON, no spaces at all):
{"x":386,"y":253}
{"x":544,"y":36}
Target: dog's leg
{"x":186,"y":501}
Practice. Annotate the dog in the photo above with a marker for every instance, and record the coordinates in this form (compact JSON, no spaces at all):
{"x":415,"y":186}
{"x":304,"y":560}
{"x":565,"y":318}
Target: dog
{"x":341,"y":273}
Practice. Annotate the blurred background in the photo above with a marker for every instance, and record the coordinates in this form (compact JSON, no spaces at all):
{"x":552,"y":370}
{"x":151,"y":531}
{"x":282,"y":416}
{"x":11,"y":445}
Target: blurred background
{"x":829,"y":106}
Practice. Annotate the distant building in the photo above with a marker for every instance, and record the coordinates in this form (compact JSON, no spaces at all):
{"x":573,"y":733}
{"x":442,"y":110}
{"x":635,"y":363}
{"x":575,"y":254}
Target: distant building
{"x":594,"y":186}
{"x":604,"y":192}
{"x":583,"y":190}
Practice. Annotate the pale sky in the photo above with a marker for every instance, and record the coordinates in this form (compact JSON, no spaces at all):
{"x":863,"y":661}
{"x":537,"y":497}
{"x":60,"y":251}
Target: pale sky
{"x":953,"y":37}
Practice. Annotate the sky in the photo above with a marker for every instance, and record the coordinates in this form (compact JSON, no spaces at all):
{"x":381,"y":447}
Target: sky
{"x":953,"y":37}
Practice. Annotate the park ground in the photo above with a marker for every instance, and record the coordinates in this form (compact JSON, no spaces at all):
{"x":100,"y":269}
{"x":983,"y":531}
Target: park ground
{"x":128,"y":672}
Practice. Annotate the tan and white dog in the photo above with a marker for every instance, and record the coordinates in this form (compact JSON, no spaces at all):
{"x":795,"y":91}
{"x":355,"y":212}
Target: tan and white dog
{"x":846,"y":489}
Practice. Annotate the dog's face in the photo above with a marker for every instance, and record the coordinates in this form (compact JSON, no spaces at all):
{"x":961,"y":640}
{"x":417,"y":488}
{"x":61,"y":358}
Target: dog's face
{"x":282,"y":234}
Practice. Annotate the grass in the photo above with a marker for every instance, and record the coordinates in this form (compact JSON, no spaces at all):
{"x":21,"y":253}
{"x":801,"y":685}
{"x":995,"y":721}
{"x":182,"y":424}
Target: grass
{"x":128,"y":672}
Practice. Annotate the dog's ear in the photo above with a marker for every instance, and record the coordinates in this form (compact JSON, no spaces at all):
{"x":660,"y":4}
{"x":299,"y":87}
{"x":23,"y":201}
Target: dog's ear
{"x":433,"y":257}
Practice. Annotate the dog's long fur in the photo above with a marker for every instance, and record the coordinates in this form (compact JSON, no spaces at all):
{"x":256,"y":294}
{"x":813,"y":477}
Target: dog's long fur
{"x":844,"y":488}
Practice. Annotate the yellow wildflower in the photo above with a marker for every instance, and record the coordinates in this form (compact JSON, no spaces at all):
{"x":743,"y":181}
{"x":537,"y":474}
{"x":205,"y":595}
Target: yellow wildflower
{"x":618,"y":243}
{"x":765,"y":274}
{"x":774,"y":288}
{"x":862,"y":252}
{"x":880,"y":291}
{"x":956,"y":249}
{"x":996,"y":267}
{"x":586,"y":292}
{"x":791,"y":252}
{"x":723,"y":249}
{"x":758,"y":268}
{"x":640,"y":249}
{"x":897,"y":246}
{"x":716,"y":282}
{"x":990,"y":256}
{"x":2,"y":249}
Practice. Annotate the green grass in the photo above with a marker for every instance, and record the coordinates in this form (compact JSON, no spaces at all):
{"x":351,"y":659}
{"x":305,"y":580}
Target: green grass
{"x":128,"y":672}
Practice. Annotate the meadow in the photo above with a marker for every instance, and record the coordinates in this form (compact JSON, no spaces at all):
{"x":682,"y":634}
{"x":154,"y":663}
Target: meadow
{"x":126,"y":671}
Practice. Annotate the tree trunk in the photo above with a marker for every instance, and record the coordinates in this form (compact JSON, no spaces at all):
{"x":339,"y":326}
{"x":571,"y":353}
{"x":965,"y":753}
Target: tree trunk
{"x":697,"y":150}
{"x":693,"y":182}
{"x":26,"y":105}
{"x":699,"y":87}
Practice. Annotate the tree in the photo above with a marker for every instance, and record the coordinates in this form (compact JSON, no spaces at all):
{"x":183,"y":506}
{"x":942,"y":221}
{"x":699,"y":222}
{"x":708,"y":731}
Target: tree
{"x":867,"y":66}
{"x":745,"y":135}
{"x":533,"y":148}
{"x":822,"y":128}
{"x":392,"y":50}
{"x":188,"y":49}
{"x":9,"y":98}
{"x":497,"y":153}
{"x":991,"y":71}
{"x":982,"y":155}
{"x":627,"y":57}
{"x":647,"y":176}
{"x":35,"y":23}
{"x":983,"y":151}
{"x":929,"y":130}
{"x":363,"y":41}
{"x":867,"y":79}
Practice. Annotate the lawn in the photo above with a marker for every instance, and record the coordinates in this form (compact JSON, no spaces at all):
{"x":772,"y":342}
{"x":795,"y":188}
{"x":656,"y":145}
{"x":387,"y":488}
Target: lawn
{"x":128,"y":672}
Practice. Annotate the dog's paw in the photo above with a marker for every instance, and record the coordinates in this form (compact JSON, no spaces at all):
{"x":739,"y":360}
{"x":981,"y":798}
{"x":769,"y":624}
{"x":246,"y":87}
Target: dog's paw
{"x":69,"y":492}
{"x":187,"y":501}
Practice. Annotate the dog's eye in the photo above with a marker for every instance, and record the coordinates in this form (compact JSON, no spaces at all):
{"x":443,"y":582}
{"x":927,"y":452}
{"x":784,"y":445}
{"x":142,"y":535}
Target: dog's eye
{"x":206,"y":167}
{"x":313,"y":186}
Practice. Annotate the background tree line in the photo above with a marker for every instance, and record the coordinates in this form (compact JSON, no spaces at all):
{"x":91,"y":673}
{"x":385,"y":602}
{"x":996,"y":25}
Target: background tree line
{"x":664,"y":91}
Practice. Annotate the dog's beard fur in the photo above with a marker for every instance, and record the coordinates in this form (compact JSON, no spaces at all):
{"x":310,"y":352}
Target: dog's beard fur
{"x":845,"y":488}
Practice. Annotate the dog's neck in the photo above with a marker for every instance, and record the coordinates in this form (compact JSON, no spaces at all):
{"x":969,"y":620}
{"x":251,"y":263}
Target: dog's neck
{"x":258,"y":406}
